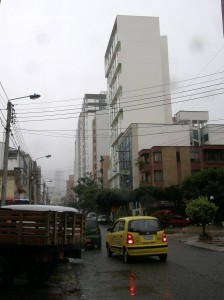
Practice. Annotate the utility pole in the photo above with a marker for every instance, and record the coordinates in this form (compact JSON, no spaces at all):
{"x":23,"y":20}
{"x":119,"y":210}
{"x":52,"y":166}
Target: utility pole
{"x":6,"y":154}
{"x":222,"y":7}
{"x":6,"y":149}
{"x":101,"y":170}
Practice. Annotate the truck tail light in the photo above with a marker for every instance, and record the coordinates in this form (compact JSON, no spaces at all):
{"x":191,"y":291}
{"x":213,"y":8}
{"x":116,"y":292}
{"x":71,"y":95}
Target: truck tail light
{"x":130,"y":239}
{"x":164,"y":238}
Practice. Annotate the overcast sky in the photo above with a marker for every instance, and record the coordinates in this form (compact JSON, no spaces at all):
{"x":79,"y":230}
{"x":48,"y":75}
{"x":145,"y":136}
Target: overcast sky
{"x":56,"y":48}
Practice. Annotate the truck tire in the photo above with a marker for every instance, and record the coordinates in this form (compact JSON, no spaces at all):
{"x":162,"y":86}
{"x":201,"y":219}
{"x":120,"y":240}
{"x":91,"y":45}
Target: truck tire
{"x":6,"y":273}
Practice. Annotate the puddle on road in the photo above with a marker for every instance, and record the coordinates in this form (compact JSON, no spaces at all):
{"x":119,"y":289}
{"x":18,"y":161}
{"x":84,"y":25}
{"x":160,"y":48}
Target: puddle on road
{"x":128,"y":283}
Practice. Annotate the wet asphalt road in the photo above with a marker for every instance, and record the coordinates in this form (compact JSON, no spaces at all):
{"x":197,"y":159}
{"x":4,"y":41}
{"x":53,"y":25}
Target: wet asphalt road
{"x":189,"y":273}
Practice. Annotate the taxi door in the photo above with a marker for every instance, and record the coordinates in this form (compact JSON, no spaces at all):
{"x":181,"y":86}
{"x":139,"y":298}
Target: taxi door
{"x":116,"y":237}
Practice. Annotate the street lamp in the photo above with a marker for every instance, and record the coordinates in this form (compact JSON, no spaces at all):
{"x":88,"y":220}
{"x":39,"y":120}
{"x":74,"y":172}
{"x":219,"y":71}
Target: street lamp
{"x":47,"y":156}
{"x":6,"y":150}
{"x":36,"y":176}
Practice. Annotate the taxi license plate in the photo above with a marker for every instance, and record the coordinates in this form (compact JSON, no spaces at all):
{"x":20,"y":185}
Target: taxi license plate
{"x":148,"y":237}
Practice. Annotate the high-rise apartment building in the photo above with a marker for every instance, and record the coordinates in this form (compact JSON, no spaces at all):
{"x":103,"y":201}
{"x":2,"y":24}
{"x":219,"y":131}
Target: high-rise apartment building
{"x":92,"y":103}
{"x":137,"y":72}
{"x":101,"y":147}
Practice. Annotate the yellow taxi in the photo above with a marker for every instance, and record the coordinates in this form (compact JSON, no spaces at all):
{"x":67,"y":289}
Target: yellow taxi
{"x":137,"y":236}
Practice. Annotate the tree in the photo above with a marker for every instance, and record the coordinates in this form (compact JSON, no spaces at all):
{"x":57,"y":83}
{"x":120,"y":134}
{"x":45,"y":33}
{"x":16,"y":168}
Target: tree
{"x":207,"y":182}
{"x":201,"y":211}
{"x":86,"y":191}
{"x":106,"y":199}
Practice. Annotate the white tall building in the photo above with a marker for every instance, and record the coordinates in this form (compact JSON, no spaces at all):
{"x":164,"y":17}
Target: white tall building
{"x":137,"y":72}
{"x":92,"y":103}
{"x":59,"y":182}
{"x":101,"y":147}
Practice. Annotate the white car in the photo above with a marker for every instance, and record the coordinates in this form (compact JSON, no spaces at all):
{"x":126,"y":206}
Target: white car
{"x":103,"y":219}
{"x":92,"y":215}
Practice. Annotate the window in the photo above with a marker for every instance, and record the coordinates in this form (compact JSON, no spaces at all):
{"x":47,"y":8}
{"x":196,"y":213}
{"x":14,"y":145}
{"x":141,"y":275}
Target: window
{"x":158,"y":175}
{"x":116,"y":227}
{"x":147,"y":177}
{"x":195,"y":134}
{"x":157,"y":156}
{"x":206,"y":137}
{"x":119,"y":226}
{"x":144,"y":226}
{"x":12,"y":155}
{"x":146,"y":157}
{"x":178,"y":156}
{"x":136,"y":205}
{"x":194,"y":156}
{"x":214,"y":155}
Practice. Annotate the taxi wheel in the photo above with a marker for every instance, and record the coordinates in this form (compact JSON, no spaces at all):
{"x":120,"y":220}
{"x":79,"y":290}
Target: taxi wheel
{"x":109,"y":252}
{"x":163,"y":257}
{"x":126,"y":256}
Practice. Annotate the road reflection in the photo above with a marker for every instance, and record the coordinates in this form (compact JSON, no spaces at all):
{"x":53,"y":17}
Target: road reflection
{"x":132,"y":282}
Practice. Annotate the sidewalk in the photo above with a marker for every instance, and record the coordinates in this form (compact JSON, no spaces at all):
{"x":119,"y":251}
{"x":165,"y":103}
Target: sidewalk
{"x":191,"y":235}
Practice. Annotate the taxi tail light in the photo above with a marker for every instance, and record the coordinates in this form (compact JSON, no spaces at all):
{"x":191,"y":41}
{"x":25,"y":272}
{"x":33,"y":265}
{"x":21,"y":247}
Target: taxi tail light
{"x":130,"y":239}
{"x":164,"y":238}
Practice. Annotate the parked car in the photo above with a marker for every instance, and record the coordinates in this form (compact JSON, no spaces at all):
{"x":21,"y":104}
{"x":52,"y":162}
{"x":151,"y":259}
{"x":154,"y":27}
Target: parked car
{"x":92,"y":215}
{"x":177,"y":221}
{"x":137,"y":236}
{"x":92,"y":234}
{"x":103,"y":219}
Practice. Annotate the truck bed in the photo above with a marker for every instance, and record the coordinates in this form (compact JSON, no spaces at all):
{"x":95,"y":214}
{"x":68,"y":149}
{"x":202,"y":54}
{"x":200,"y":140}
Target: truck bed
{"x":41,"y":228}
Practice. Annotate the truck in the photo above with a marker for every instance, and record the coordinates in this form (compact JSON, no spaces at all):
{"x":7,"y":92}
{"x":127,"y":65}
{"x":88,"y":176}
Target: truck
{"x":35,"y":238}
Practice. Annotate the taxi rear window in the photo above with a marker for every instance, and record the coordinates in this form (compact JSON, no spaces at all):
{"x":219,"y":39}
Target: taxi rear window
{"x":144,"y":226}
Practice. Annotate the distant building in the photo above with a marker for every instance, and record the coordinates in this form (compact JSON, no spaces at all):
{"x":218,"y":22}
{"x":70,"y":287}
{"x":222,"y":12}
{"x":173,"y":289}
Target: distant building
{"x":59,"y":182}
{"x":69,"y":188}
{"x":19,"y":178}
{"x":92,"y":103}
{"x":101,"y":147}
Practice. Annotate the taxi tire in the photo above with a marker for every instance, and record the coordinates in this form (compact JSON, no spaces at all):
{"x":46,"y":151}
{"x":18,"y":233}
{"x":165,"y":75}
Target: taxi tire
{"x":109,"y":252}
{"x":126,"y":256}
{"x":163,"y":257}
